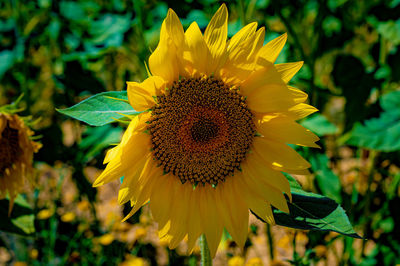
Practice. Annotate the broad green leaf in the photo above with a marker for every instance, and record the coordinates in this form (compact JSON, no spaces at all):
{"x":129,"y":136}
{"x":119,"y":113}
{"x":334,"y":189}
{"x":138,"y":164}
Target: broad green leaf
{"x":21,"y":220}
{"x":327,"y":181}
{"x":101,"y":109}
{"x":320,"y":125}
{"x":7,"y":59}
{"x":331,"y":25}
{"x":99,"y":138}
{"x":72,"y":10}
{"x":109,"y":30}
{"x":390,"y":30}
{"x":382,"y":133}
{"x":309,"y":211}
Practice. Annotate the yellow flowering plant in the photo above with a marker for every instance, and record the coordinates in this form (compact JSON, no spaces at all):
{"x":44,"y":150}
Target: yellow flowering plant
{"x":208,"y":134}
{"x":17,"y":147}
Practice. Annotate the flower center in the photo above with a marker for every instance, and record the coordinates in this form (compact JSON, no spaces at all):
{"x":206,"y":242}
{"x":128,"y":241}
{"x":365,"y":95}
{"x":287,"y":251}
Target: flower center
{"x":204,"y":130}
{"x":201,"y":130}
{"x":10,"y":149}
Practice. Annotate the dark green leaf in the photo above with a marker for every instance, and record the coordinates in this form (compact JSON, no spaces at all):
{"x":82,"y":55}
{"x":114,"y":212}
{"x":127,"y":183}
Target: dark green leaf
{"x":99,"y":138}
{"x":7,"y":59}
{"x":101,"y":109}
{"x":21,"y":220}
{"x":109,"y":30}
{"x":381,"y":133}
{"x":311,"y":211}
{"x":327,"y":181}
{"x":319,"y":125}
{"x":72,"y":10}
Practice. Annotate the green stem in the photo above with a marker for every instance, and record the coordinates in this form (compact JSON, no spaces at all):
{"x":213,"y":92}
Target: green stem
{"x":368,"y":196}
{"x":270,"y":242}
{"x":205,"y":252}
{"x":294,"y":246}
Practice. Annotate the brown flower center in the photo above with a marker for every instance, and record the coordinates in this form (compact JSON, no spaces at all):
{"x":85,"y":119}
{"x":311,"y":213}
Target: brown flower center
{"x":201,"y":130}
{"x":9,"y":148}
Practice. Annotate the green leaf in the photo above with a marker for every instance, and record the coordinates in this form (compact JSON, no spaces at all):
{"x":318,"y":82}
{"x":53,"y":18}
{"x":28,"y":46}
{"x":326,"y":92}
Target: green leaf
{"x":109,"y":30}
{"x":21,"y":220}
{"x":327,"y":181}
{"x":72,"y":10}
{"x":320,"y":125}
{"x":7,"y":59}
{"x":390,"y":30}
{"x":309,"y":211}
{"x":98,"y":138}
{"x":382,"y":133}
{"x":331,"y":25}
{"x":101,"y":109}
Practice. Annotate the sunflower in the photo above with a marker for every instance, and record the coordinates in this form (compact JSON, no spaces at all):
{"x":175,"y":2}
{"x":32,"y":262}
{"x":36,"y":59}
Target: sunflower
{"x":16,"y":154}
{"x":211,"y":141}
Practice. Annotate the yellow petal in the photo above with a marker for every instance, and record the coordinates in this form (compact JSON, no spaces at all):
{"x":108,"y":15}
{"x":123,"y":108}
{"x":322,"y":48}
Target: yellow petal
{"x":255,"y":166}
{"x":279,"y":156}
{"x":286,"y":130}
{"x":300,"y":111}
{"x":262,"y":77}
{"x":179,"y":212}
{"x":233,"y":210}
{"x":215,"y":36}
{"x":134,"y":182}
{"x":111,"y":153}
{"x":139,"y":203}
{"x":270,"y":98}
{"x":298,"y":95}
{"x":141,"y":95}
{"x":270,"y":51}
{"x":164,"y":189}
{"x":127,"y":188}
{"x":258,"y":42}
{"x":288,"y":70}
{"x":130,"y":157}
{"x":164,"y":230}
{"x":196,"y":52}
{"x":163,"y":61}
{"x":264,"y":190}
{"x":258,"y":205}
{"x":263,"y":210}
{"x":210,"y":218}
{"x":241,"y":50}
{"x":194,"y":220}
{"x":141,"y":199}
{"x":237,"y":44}
{"x":174,"y":28}
{"x":134,"y":125}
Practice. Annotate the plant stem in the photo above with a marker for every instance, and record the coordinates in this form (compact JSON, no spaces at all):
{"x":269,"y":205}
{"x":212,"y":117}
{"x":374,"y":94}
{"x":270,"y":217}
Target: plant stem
{"x":270,"y":241}
{"x":205,"y":252}
{"x":368,"y":196}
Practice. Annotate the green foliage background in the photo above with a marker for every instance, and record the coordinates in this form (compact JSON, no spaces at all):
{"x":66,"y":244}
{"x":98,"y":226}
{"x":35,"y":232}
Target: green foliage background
{"x":58,"y":53}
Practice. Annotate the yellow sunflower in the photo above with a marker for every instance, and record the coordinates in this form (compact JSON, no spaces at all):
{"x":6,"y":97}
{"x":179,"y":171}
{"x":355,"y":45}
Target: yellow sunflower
{"x":16,"y":155}
{"x":211,"y":142}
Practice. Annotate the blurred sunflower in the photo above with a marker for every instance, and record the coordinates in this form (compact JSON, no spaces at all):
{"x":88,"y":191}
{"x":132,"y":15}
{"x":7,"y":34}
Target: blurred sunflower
{"x":211,"y":142}
{"x":16,"y":155}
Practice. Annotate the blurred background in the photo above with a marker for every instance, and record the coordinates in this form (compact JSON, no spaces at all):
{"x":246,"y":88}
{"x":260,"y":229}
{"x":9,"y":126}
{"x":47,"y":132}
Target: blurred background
{"x":57,"y":53}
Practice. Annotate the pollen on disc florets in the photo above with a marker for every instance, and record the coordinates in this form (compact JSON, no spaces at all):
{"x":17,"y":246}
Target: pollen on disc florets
{"x":10,"y":149}
{"x":201,"y":130}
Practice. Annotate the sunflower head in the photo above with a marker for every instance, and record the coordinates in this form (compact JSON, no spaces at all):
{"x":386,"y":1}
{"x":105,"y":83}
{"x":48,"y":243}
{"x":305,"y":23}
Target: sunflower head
{"x":211,"y":141}
{"x":16,"y":155}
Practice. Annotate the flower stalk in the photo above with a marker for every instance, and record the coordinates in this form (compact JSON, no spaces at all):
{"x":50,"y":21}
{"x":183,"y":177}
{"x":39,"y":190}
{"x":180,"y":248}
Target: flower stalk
{"x":205,"y":252}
